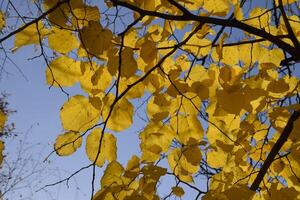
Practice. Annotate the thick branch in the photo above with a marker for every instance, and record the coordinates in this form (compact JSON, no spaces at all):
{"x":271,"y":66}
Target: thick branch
{"x":217,"y":21}
{"x":288,"y":26}
{"x":276,"y":148}
{"x":34,"y":21}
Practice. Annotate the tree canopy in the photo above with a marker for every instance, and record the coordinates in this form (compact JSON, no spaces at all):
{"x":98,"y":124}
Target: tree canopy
{"x":214,"y":82}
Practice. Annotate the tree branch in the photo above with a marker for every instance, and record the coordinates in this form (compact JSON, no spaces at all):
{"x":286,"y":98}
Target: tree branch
{"x":217,"y":21}
{"x":34,"y":21}
{"x":276,"y":148}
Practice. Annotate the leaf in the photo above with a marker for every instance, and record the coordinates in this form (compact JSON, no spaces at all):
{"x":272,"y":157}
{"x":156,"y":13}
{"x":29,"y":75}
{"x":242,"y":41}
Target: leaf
{"x":217,"y":158}
{"x":232,"y":101}
{"x":133,"y":167}
{"x":67,"y":143}
{"x":78,"y":114}
{"x":217,"y":7}
{"x":95,"y":34}
{"x":1,"y":152}
{"x":2,"y":20}
{"x":3,"y":119}
{"x":121,"y":116}
{"x":112,"y":175}
{"x":259,"y":18}
{"x":148,"y":51}
{"x":32,"y":34}
{"x":187,"y":127}
{"x":95,"y":78}
{"x":182,"y":163}
{"x":102,"y":149}
{"x":83,"y":14}
{"x":155,"y":139}
{"x":63,"y":71}
{"x":62,"y":40}
{"x":178,"y":191}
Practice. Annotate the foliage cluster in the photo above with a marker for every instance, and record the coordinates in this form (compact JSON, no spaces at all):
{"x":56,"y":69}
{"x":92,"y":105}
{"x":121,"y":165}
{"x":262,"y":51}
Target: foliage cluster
{"x":218,"y":84}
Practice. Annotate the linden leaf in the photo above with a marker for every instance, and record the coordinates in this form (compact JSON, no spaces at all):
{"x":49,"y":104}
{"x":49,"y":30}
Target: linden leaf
{"x":112,"y":174}
{"x":178,"y":191}
{"x":95,"y":34}
{"x":129,"y":64}
{"x":63,"y":71}
{"x":3,"y":119}
{"x":158,"y":107}
{"x":82,"y":15}
{"x":155,"y":139}
{"x":1,"y":151}
{"x":32,"y":34}
{"x":78,"y":114}
{"x":217,"y":7}
{"x":121,"y":116}
{"x":62,"y":40}
{"x":187,"y":127}
{"x":95,"y":78}
{"x":285,"y":2}
{"x":231,"y":101}
{"x":181,"y":166}
{"x":67,"y":143}
{"x":101,"y":146}
{"x":217,"y":158}
{"x":259,"y":18}
{"x":2,"y":20}
{"x":235,"y":192}
{"x":133,"y":167}
{"x":148,"y":51}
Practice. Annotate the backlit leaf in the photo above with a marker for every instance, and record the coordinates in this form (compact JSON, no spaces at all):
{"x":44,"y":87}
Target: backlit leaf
{"x":101,"y":147}
{"x":67,"y":143}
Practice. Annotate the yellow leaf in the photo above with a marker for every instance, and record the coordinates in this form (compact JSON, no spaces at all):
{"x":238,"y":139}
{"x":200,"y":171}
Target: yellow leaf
{"x":155,"y":139}
{"x":158,"y":107}
{"x":217,"y":7}
{"x":217,"y":158}
{"x":274,"y":57}
{"x":95,"y":34}
{"x":1,"y":152}
{"x":187,"y":127}
{"x":2,"y":20}
{"x":285,"y":2}
{"x":181,"y":165}
{"x":62,"y":40}
{"x":121,"y":116}
{"x":3,"y":119}
{"x":133,"y":167}
{"x":129,"y":64}
{"x":278,"y":88}
{"x":231,"y":101}
{"x":238,"y":12}
{"x":67,"y":143}
{"x":178,"y":191}
{"x":63,"y":71}
{"x":136,"y":91}
{"x":95,"y":78}
{"x":83,"y":14}
{"x":259,"y":18}
{"x":198,"y":45}
{"x":220,"y":46}
{"x":112,"y":174}
{"x":241,"y":192}
{"x":32,"y":34}
{"x":148,"y":51}
{"x":78,"y":114}
{"x":106,"y":151}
